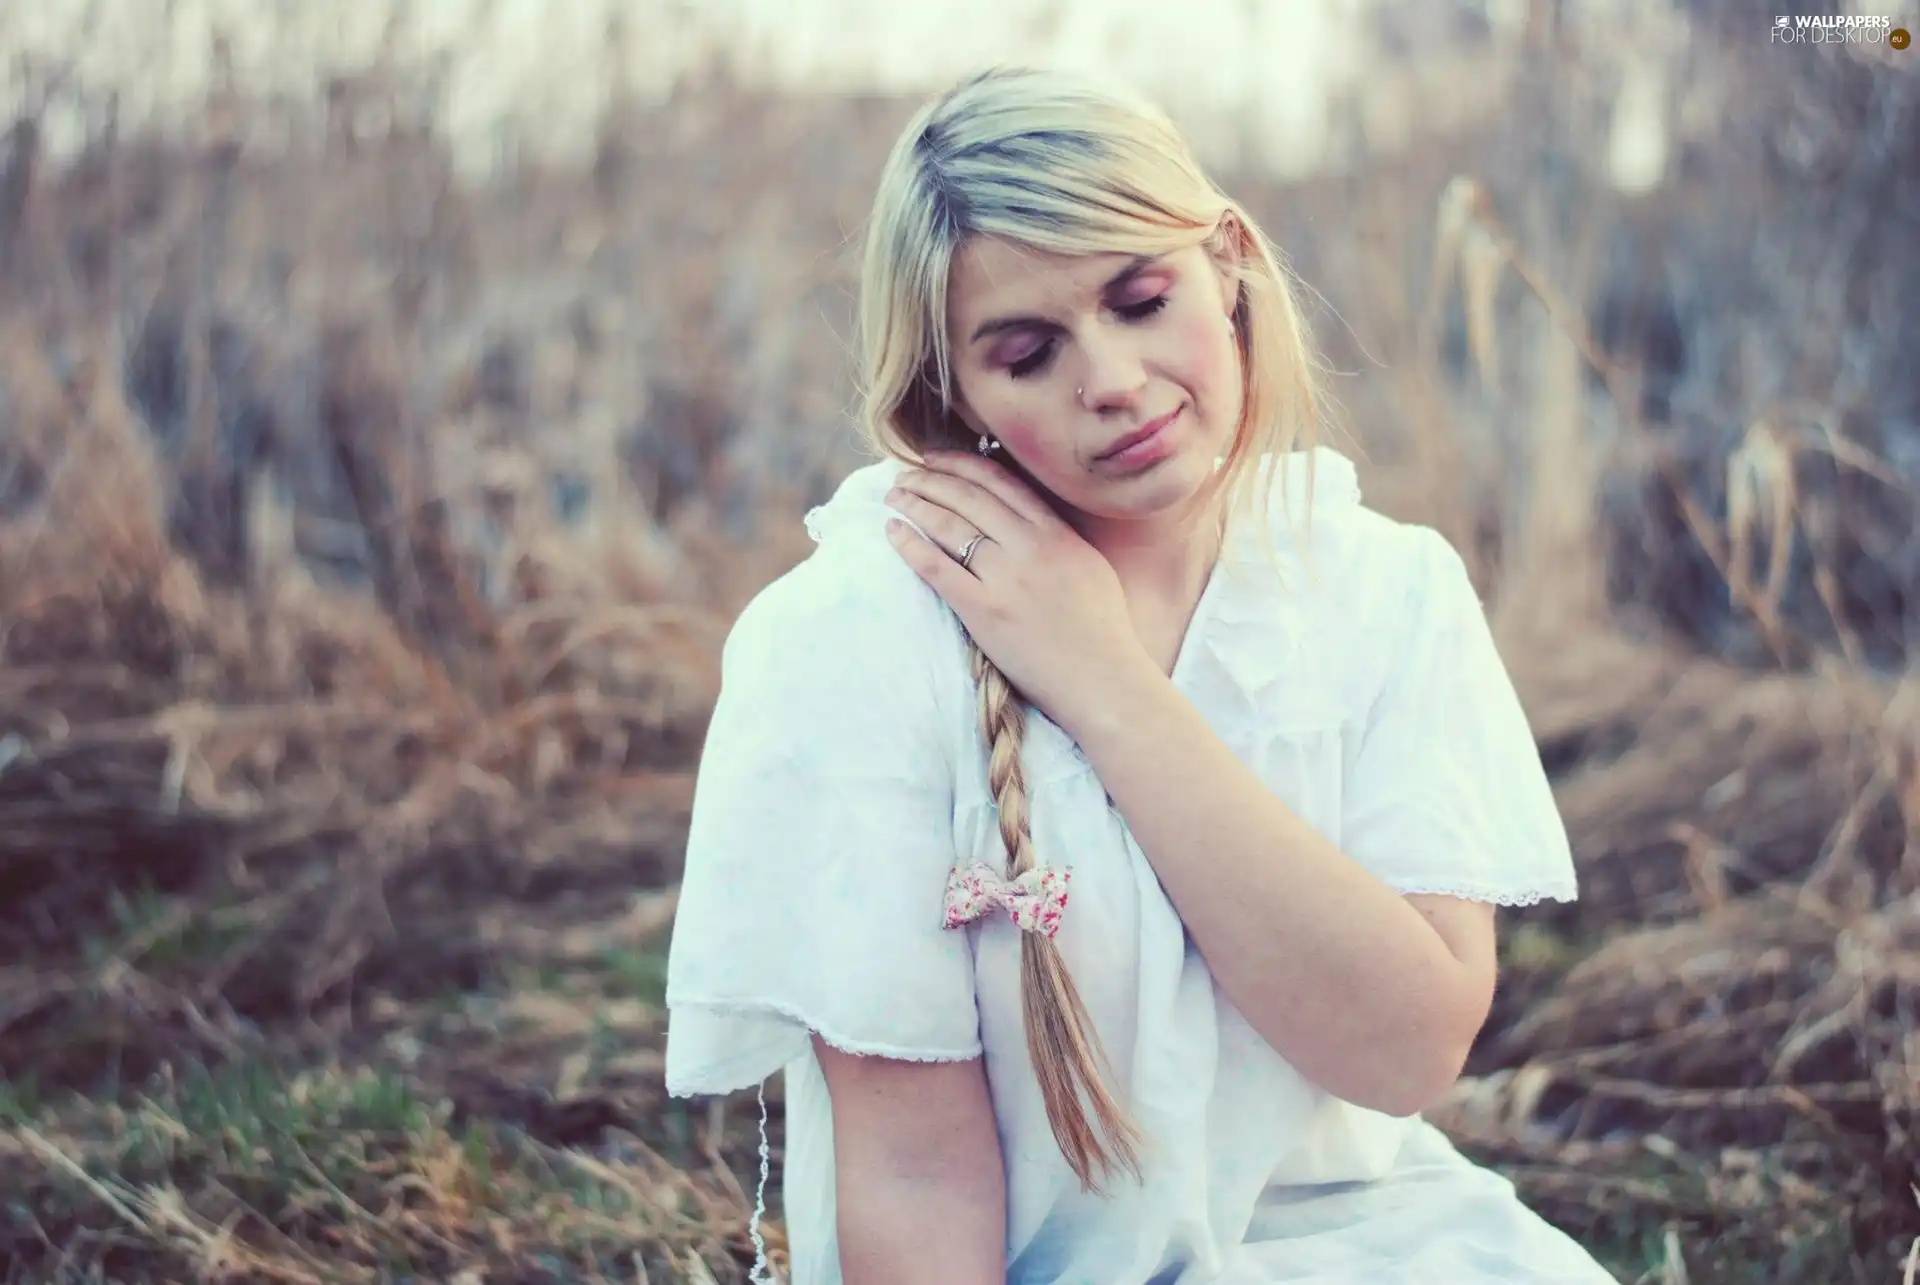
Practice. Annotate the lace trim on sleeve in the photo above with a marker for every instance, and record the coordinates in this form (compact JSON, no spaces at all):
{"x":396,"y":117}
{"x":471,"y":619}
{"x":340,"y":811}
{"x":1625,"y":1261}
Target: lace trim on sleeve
{"x":1487,"y":893}
{"x":677,"y":1086}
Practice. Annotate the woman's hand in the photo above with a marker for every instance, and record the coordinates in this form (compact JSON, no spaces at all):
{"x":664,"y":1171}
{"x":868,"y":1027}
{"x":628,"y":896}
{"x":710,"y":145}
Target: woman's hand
{"x":1043,"y":604}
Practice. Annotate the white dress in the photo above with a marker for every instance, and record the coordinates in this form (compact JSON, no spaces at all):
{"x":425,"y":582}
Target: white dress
{"x":844,"y":776}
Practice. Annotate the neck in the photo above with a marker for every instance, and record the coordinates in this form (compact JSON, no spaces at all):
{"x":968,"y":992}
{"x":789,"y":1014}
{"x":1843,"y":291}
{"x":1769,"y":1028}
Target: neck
{"x":1160,"y":561}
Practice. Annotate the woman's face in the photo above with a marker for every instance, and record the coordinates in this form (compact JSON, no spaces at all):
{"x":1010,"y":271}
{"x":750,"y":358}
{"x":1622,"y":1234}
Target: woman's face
{"x":1064,"y":357}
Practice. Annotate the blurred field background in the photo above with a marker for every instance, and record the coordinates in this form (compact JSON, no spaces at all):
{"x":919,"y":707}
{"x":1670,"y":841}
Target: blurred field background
{"x":398,"y":400}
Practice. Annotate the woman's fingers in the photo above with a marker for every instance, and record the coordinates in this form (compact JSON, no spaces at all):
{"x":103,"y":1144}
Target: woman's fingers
{"x":942,"y":572}
{"x":995,"y":480}
{"x":941,"y":524}
{"x":964,"y":507}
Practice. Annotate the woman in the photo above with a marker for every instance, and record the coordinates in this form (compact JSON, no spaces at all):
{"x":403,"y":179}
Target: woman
{"x":1106,"y":618}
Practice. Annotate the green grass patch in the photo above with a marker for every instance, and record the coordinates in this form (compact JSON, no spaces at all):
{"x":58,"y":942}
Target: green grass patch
{"x":330,"y":1174}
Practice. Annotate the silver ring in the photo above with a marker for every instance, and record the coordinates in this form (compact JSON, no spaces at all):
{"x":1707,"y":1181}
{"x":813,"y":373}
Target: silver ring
{"x":966,"y":552}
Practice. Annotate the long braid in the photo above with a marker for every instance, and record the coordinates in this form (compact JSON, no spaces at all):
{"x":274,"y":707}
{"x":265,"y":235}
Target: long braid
{"x":1067,"y":1056}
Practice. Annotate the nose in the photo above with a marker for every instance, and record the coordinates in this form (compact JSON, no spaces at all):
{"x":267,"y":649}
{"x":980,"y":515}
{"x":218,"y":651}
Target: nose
{"x":1112,"y":374}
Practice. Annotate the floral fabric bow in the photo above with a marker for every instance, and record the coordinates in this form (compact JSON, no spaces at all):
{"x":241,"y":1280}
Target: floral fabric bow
{"x":1035,"y":900}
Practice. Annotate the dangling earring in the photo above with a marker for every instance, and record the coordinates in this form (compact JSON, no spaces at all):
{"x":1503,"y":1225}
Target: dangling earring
{"x":988,"y":445}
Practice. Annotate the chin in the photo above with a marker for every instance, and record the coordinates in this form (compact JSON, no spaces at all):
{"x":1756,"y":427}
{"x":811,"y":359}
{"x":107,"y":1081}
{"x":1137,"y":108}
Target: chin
{"x":1161,"y":489}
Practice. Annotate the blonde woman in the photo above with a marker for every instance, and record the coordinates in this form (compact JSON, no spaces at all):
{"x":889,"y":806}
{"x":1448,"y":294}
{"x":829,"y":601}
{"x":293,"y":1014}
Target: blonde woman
{"x":1103,"y":827}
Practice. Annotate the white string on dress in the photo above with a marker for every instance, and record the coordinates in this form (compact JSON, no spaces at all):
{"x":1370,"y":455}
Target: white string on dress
{"x":760,"y":1265}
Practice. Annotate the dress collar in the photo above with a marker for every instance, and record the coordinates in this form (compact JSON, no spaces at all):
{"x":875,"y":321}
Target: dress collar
{"x":1255,"y":620}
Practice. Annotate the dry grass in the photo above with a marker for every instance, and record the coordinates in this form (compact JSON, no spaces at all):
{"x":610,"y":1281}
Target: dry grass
{"x":367,"y":536}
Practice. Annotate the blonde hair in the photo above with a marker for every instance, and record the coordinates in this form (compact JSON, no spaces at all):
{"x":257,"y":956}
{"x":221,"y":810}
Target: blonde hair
{"x":1059,"y":163}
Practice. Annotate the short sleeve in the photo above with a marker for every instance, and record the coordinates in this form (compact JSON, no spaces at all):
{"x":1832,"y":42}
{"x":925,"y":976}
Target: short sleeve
{"x":821,"y":838}
{"x":1447,"y":792}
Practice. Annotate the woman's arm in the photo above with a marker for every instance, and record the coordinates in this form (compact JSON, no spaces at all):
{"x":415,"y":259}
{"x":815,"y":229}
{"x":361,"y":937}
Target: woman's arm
{"x":919,"y":1180}
{"x":1373,"y":996}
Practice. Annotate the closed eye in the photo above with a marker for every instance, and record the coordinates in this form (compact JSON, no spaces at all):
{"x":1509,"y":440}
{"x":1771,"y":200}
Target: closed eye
{"x":1037,"y":360}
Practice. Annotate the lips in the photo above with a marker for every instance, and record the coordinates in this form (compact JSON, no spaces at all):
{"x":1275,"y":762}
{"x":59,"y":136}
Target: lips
{"x":1140,"y":434}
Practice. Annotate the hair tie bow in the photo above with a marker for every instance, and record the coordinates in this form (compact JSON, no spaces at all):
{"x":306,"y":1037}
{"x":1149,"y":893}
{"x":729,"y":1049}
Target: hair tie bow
{"x":1035,"y":900}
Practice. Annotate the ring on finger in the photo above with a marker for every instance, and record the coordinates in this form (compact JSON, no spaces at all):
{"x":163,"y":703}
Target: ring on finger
{"x":967,"y":550}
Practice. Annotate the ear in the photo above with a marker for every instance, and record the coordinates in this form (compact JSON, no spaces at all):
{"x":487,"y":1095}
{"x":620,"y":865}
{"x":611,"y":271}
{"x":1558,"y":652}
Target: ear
{"x":1224,"y":252}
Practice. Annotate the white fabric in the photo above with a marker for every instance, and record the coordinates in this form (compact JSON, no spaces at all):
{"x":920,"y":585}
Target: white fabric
{"x":844,"y":775}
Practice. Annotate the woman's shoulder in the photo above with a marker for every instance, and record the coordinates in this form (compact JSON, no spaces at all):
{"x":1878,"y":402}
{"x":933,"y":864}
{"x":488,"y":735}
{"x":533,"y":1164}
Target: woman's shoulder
{"x":1357,"y":587}
{"x":1383,"y":582}
{"x":1353,"y":554}
{"x":852,"y":632}
{"x":849,"y":606}
{"x":1352,"y":567}
{"x":845,"y":597}
{"x":1381,"y":567}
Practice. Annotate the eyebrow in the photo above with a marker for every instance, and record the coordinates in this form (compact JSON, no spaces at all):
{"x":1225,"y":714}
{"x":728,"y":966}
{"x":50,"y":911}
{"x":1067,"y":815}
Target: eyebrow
{"x":1135,"y":266}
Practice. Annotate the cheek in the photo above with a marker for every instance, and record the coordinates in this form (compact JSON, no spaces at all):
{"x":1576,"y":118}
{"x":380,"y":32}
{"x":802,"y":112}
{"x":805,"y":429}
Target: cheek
{"x":1209,"y":361}
{"x":1026,"y":439}
{"x":1041,"y":457}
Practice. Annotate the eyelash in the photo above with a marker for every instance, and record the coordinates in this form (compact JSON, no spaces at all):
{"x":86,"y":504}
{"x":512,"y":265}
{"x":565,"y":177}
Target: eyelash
{"x":1033,"y":361}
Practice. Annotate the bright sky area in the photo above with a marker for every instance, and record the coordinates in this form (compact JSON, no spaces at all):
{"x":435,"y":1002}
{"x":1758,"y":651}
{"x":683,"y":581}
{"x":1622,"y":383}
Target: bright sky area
{"x":1264,"y":65}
